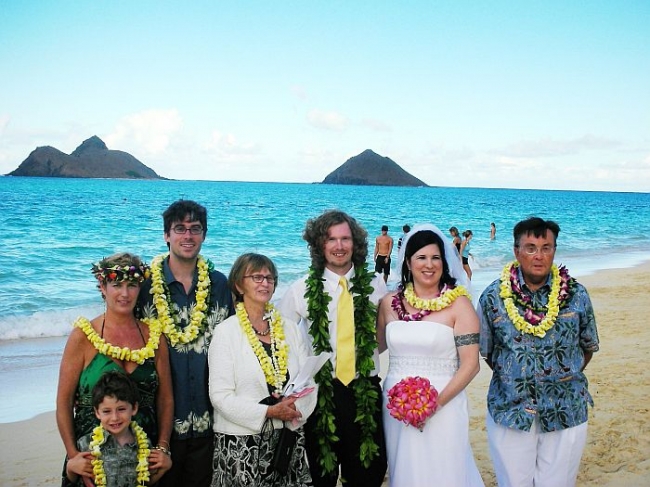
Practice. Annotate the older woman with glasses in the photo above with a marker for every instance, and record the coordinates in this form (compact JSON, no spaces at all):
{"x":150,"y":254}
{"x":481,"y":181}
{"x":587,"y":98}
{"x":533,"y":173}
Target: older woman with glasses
{"x":251,"y":359}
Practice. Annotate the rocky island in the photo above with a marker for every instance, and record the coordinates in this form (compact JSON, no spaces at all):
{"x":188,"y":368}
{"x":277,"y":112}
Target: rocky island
{"x":92,"y":159}
{"x":371,"y":169}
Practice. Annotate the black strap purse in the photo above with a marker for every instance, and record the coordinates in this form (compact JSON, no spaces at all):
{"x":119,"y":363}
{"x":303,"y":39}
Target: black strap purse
{"x":284,"y":450}
{"x":285,"y":445}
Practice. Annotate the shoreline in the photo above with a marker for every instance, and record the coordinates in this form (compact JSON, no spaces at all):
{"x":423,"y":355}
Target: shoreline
{"x":52,"y":323}
{"x":618,"y":444}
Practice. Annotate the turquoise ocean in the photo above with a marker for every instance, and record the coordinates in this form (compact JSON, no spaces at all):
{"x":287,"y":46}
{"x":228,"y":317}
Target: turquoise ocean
{"x":54,"y":229}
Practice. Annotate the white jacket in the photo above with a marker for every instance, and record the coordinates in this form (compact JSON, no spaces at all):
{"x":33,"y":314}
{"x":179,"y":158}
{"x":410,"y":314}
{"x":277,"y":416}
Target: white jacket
{"x":237,"y":382}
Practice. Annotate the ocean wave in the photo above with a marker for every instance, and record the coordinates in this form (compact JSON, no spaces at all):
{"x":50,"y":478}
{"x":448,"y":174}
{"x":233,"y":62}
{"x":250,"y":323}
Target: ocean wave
{"x":44,"y":323}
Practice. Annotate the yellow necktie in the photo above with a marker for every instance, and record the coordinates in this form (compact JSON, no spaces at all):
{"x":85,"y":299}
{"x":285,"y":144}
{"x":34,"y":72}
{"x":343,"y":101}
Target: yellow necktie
{"x":345,"y":359}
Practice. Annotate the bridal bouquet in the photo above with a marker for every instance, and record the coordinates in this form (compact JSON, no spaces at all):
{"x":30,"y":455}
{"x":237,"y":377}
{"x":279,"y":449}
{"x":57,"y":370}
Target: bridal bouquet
{"x":413,"y":400}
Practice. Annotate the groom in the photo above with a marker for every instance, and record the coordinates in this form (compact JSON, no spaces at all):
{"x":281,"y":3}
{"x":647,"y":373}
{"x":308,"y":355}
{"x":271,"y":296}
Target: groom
{"x":336,"y":307}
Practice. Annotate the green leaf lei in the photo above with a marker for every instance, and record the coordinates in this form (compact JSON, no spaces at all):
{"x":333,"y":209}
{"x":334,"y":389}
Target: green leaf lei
{"x":366,"y":396}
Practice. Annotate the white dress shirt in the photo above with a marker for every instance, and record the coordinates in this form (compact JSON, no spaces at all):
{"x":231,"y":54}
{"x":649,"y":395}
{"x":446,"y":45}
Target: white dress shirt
{"x":293,"y":306}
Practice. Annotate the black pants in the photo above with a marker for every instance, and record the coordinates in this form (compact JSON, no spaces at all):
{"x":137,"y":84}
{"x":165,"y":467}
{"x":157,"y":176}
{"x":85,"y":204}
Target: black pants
{"x":191,"y":463}
{"x":347,"y":449}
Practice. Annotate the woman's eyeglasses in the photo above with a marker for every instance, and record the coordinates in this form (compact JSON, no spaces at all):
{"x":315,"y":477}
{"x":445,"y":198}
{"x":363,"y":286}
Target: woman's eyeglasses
{"x":259,"y":278}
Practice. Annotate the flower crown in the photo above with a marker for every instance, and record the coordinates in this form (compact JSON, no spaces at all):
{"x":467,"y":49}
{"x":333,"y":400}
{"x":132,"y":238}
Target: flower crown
{"x":119,"y":273}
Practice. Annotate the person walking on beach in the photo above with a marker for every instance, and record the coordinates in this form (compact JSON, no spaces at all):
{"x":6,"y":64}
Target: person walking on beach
{"x":465,"y":253}
{"x":456,"y":240}
{"x":405,"y":230}
{"x":177,"y":294}
{"x":383,"y":249}
{"x":538,"y":333}
{"x":345,"y":429}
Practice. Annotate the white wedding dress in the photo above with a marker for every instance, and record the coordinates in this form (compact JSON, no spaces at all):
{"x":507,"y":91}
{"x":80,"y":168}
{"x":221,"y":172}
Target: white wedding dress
{"x":441,"y":454}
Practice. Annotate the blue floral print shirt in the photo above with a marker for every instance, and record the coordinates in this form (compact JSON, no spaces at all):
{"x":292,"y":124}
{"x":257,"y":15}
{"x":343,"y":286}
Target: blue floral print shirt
{"x":189,"y":361}
{"x":535,"y":376}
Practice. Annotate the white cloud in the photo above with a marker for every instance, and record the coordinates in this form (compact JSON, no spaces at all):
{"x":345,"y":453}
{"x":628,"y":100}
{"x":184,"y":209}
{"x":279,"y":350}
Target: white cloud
{"x":226,"y":145}
{"x":376,"y":125}
{"x":327,"y":120}
{"x":149,"y":131}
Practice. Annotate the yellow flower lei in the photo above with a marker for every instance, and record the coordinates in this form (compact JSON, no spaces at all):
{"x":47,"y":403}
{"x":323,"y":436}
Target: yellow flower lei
{"x":122,"y":353}
{"x":275,"y":366}
{"x":142,"y":468}
{"x":553,"y":306}
{"x":447,"y":296}
{"x":170,"y":322}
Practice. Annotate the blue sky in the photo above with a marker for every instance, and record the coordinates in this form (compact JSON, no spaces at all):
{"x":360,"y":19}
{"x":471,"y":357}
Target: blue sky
{"x":545,"y":94}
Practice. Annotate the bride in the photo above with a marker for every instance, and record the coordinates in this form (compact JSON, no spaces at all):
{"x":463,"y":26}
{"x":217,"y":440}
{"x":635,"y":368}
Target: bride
{"x":430,"y":329}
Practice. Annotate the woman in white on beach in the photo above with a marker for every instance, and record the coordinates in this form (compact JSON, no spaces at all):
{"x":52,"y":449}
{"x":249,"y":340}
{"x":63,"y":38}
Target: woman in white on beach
{"x":252,"y":356}
{"x":430,"y":329}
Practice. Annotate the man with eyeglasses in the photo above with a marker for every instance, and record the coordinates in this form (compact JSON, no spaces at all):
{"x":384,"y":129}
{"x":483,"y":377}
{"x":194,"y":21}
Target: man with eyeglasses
{"x":189,"y":298}
{"x":335,"y":306}
{"x":538,"y":333}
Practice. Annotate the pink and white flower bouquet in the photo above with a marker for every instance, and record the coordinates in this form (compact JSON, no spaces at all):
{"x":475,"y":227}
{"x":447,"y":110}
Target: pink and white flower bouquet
{"x":413,"y":400}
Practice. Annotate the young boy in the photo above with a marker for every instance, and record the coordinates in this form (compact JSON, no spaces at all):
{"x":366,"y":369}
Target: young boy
{"x":115,"y":401}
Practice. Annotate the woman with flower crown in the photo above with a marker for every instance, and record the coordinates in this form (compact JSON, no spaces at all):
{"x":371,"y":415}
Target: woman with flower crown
{"x":115,"y":341}
{"x":251,"y":358}
{"x":430,"y":329}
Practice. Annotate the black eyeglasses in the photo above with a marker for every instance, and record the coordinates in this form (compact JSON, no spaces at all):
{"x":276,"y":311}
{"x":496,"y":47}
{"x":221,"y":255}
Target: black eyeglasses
{"x":182,"y":229}
{"x":531,"y":249}
{"x":259,"y":278}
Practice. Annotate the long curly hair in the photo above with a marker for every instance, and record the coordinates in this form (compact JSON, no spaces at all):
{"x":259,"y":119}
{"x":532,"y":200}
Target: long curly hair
{"x":316,"y":234}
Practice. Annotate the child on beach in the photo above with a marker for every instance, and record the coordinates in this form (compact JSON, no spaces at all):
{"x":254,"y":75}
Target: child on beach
{"x":119,"y":448}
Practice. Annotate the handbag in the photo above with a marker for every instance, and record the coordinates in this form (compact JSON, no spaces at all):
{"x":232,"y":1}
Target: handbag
{"x":284,"y":450}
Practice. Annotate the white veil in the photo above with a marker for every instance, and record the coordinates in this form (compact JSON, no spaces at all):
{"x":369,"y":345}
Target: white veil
{"x":454,"y":263}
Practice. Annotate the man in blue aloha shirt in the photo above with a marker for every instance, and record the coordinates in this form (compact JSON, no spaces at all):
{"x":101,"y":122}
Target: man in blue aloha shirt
{"x":538,"y":333}
{"x":190,"y":298}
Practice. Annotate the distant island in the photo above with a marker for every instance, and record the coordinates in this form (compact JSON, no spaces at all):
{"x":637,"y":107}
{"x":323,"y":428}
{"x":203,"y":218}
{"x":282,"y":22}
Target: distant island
{"x":371,"y":169}
{"x":92,"y":159}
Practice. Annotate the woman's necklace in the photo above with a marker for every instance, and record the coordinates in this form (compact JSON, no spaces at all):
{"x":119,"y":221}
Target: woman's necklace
{"x":274,"y":367}
{"x":400,"y":309}
{"x":262,"y":333}
{"x":170,"y":321}
{"x":447,"y":296}
{"x":142,"y":468}
{"x":122,"y":353}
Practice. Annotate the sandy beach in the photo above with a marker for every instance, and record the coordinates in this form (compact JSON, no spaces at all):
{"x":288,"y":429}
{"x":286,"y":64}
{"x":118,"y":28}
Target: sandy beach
{"x":618,"y":446}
